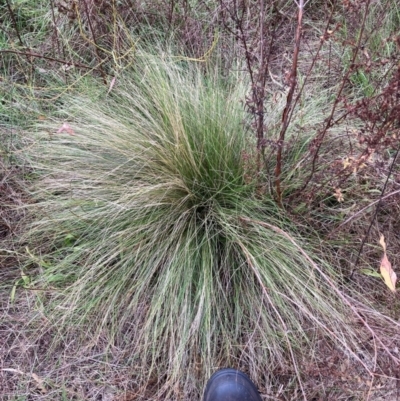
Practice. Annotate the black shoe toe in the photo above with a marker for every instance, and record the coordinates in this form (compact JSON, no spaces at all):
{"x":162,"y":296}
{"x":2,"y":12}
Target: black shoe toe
{"x":230,"y":385}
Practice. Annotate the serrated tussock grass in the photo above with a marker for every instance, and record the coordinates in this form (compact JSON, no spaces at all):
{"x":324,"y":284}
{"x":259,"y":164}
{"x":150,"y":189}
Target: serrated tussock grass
{"x":146,"y":227}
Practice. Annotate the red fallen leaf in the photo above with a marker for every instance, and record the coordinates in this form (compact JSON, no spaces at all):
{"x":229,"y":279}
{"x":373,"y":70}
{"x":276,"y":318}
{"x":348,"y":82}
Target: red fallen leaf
{"x":65,"y":128}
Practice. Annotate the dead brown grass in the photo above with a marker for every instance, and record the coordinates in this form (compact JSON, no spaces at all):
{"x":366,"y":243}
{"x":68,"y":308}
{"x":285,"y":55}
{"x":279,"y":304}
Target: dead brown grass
{"x":30,"y":369}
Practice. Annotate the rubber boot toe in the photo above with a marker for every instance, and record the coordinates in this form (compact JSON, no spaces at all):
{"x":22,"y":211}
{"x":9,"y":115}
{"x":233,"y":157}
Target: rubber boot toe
{"x":230,"y":385}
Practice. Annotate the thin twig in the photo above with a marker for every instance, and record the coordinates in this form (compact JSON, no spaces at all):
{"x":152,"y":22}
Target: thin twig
{"x":363,"y":210}
{"x":96,"y":47}
{"x":313,"y":61}
{"x":14,"y":23}
{"x":261,"y":86}
{"x":289,"y":101}
{"x":378,"y":206}
{"x":53,"y":18}
{"x":56,"y":60}
{"x":329,"y":121}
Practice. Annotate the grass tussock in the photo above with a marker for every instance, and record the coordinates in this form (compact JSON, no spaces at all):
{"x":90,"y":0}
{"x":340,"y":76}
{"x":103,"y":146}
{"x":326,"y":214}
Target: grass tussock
{"x":149,"y":225}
